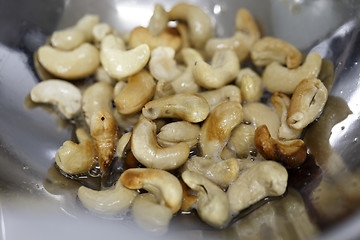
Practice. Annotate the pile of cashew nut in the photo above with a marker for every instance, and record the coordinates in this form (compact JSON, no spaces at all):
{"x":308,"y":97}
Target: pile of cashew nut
{"x":173,"y":101}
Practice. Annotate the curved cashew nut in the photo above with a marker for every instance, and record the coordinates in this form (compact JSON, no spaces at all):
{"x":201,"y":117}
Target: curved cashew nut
{"x":73,"y":37}
{"x":213,"y":204}
{"x":189,"y":107}
{"x":278,"y":78}
{"x":108,"y":202}
{"x":120,"y":63}
{"x":223,"y":69}
{"x":307,"y":102}
{"x":64,"y":95}
{"x":259,"y":114}
{"x":123,"y":145}
{"x":162,"y":64}
{"x":242,"y":139}
{"x":269,"y":49}
{"x":181,"y":131}
{"x":216,"y":130}
{"x":266,"y":178}
{"x":250,"y":84}
{"x":200,"y":25}
{"x":246,"y":24}
{"x":223,"y":94}
{"x":165,"y":186}
{"x":78,"y":63}
{"x":159,"y":20}
{"x":290,"y":153}
{"x":104,"y":131}
{"x":281,"y":103}
{"x":75,"y":158}
{"x":138,"y":91}
{"x":100,"y":31}
{"x":170,"y":37}
{"x":150,"y":215}
{"x":146,"y":150}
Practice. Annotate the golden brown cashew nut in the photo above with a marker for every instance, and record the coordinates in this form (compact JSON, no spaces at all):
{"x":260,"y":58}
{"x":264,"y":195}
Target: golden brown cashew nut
{"x":75,"y":158}
{"x":146,"y":150}
{"x":109,"y":202}
{"x":104,"y":131}
{"x":278,"y":78}
{"x":181,"y":131}
{"x":250,"y":84}
{"x":215,"y":131}
{"x":138,"y":91}
{"x":223,"y":94}
{"x":223,"y":69}
{"x":199,"y":22}
{"x":269,"y":49}
{"x":78,"y":63}
{"x":213,"y":204}
{"x":266,"y":178}
{"x":64,"y":95}
{"x":120,"y":63}
{"x":159,"y":20}
{"x":165,"y":186}
{"x":290,"y":153}
{"x":281,"y":103}
{"x":307,"y":102}
{"x":242,"y":140}
{"x":189,"y":107}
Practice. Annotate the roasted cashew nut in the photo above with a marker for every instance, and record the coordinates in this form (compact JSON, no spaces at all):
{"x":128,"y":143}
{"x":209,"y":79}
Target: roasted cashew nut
{"x":199,"y":22}
{"x":64,"y":95}
{"x":147,"y":151}
{"x":270,"y":49}
{"x":189,"y":107}
{"x":109,"y":202}
{"x":138,"y":91}
{"x":264,"y":179}
{"x":150,"y":215}
{"x":242,"y":140}
{"x":215,"y":131}
{"x":165,"y":186}
{"x":278,"y":78}
{"x":290,"y":153}
{"x":307,"y":102}
{"x":120,"y":63}
{"x":250,"y":84}
{"x":223,"y":70}
{"x":159,"y":20}
{"x":281,"y":103}
{"x":213,"y":204}
{"x":180,"y":131}
{"x":75,"y":64}
{"x":75,"y":158}
{"x":104,"y":131}
{"x":223,"y":94}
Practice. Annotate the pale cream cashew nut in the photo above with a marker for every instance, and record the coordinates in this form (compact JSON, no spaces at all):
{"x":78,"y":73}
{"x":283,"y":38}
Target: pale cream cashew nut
{"x":159,"y":20}
{"x":250,"y":84}
{"x":100,"y":31}
{"x":220,"y":95}
{"x":242,"y":140}
{"x":180,"y":131}
{"x":163,"y":89}
{"x":123,"y":145}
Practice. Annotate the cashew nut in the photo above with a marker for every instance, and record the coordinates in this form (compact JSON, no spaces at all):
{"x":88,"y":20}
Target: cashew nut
{"x":246,"y":24}
{"x":100,"y":31}
{"x":139,"y":90}
{"x":259,"y":114}
{"x":150,"y":215}
{"x":189,"y":107}
{"x":181,"y":131}
{"x":120,"y":63}
{"x":223,"y":70}
{"x":250,"y":84}
{"x":165,"y":186}
{"x":270,"y":49}
{"x":104,"y":131}
{"x":78,"y":63}
{"x":102,"y":76}
{"x":64,"y":95}
{"x":41,"y":72}
{"x":281,"y":104}
{"x":307,"y":102}
{"x":278,"y":78}
{"x":170,"y":37}
{"x":108,"y":202}
{"x":75,"y":158}
{"x":159,"y":20}
{"x":162,"y":64}
{"x":146,"y":150}
{"x":213,"y":204}
{"x":242,"y":139}
{"x":266,"y":178}
{"x":290,"y":153}
{"x":73,"y":37}
{"x":163,"y":89}
{"x":215,"y":131}
{"x":199,"y":22}
{"x":223,"y":94}
{"x":123,"y":145}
